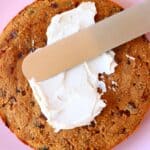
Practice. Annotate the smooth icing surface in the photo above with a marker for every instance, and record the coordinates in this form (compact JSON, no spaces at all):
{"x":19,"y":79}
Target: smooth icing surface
{"x":70,"y":99}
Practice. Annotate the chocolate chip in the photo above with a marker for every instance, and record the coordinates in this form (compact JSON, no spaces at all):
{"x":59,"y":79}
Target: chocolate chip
{"x":103,"y":135}
{"x":43,"y":148}
{"x":77,"y":4}
{"x":13,"y":35}
{"x":100,"y":76}
{"x":147,"y":64}
{"x":112,"y":113}
{"x":32,"y":103}
{"x":99,"y":90}
{"x":117,"y":107}
{"x":32,"y":49}
{"x":127,"y":113}
{"x":40,"y":122}
{"x":121,"y":112}
{"x":124,"y":112}
{"x":23,"y":93}
{"x":139,"y":57}
{"x":145,"y":95}
{"x":54,"y":5}
{"x":6,"y":123}
{"x":20,"y":55}
{"x":132,"y":104}
{"x":93,"y":124}
{"x":12,"y":100}
{"x":132,"y":108}
{"x":134,"y":84}
{"x":43,"y":116}
{"x":96,"y":132}
{"x":128,"y":62}
{"x":39,"y":125}
{"x":122,"y":131}
{"x":18,"y":90}
{"x":31,"y":11}
{"x":113,"y":122}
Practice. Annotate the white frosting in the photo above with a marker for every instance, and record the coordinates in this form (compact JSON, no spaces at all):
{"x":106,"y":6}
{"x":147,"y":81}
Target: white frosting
{"x":70,"y":99}
{"x":69,"y":22}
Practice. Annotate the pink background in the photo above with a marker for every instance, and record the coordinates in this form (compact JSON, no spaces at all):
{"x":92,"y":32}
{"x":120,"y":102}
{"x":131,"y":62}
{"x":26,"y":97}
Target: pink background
{"x":138,"y":141}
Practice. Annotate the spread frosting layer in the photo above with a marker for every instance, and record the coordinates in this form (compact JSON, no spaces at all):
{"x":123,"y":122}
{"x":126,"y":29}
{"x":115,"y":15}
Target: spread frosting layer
{"x":70,"y":99}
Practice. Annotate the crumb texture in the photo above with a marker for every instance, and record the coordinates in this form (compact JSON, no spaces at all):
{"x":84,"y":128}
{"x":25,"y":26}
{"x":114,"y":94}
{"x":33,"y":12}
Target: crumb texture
{"x":128,"y":89}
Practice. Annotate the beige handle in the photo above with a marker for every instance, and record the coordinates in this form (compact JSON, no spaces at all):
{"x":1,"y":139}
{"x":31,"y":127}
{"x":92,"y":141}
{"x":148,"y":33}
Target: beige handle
{"x":88,"y":43}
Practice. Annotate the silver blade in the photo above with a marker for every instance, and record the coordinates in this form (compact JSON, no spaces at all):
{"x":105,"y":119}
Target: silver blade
{"x":89,"y":43}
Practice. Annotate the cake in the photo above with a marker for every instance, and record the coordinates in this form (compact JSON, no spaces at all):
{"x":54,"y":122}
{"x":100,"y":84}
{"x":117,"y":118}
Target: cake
{"x":127,"y":95}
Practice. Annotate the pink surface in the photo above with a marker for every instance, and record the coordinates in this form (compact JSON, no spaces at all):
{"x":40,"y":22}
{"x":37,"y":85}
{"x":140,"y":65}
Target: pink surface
{"x":138,"y":141}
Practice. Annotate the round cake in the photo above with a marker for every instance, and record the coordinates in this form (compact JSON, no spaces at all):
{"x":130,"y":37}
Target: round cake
{"x":127,"y":101}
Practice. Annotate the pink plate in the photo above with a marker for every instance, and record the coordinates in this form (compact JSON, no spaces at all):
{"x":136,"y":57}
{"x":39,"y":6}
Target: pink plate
{"x":140,"y":140}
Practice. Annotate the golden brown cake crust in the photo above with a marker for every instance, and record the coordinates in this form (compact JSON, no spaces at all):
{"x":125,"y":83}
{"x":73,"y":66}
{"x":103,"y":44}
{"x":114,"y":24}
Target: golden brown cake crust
{"x":127,"y":102}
